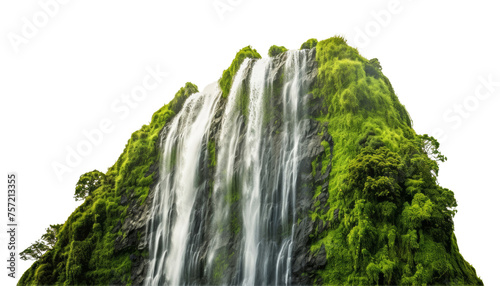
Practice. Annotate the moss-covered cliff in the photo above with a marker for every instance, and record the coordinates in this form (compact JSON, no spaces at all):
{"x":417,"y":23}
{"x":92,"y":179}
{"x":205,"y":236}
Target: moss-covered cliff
{"x":386,"y":220}
{"x":370,"y":210}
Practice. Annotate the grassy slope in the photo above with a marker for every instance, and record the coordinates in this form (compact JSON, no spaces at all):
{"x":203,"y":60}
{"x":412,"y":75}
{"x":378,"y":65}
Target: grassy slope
{"x":394,"y":223}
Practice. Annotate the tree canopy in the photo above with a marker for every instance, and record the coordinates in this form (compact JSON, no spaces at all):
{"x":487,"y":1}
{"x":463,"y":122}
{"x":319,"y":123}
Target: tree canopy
{"x":87,"y":184}
{"x":39,"y":247}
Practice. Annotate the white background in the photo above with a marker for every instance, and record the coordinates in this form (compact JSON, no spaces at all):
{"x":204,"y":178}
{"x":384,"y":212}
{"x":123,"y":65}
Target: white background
{"x":65,"y":76}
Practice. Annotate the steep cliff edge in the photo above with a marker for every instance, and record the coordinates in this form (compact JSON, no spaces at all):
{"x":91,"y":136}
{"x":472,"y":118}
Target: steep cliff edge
{"x":367,"y":206}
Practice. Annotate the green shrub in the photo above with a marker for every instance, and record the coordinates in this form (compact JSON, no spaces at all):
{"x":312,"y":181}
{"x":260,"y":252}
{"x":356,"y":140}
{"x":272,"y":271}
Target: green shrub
{"x":309,"y":44}
{"x":275,"y":50}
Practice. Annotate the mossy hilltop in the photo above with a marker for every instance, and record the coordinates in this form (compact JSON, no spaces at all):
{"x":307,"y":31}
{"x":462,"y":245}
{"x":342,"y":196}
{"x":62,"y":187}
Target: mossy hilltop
{"x":378,"y":215}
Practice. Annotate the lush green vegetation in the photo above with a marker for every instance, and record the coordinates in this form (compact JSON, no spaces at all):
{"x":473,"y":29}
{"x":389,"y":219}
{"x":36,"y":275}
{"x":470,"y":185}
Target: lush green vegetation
{"x":84,"y":251}
{"x":309,"y":44}
{"x":275,"y":50}
{"x":389,"y":220}
{"x":226,"y":80}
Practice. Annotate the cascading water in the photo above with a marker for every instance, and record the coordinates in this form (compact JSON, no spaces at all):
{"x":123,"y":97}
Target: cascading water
{"x":172,"y":224}
{"x":225,"y":179}
{"x":234,"y":224}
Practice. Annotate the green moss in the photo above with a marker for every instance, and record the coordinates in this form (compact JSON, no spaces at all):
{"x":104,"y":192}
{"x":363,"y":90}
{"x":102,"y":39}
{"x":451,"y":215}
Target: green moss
{"x":276,"y":50}
{"x":221,"y":263}
{"x":176,"y":104}
{"x":327,"y":156}
{"x":232,"y":197}
{"x":235,"y":223}
{"x":211,"y":151}
{"x":314,"y":165}
{"x":226,"y":80}
{"x":243,"y":98}
{"x":309,"y":44}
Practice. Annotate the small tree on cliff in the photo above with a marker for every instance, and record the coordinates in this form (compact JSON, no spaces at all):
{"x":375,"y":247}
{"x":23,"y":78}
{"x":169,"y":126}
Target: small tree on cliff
{"x":39,"y":247}
{"x":87,"y":184}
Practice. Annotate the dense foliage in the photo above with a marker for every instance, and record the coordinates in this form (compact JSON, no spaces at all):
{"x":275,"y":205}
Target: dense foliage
{"x":389,"y":221}
{"x":84,"y":252}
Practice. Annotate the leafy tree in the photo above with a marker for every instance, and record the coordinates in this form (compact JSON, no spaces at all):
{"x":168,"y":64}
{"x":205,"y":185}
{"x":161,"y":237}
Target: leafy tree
{"x":50,"y":237}
{"x":34,"y":251}
{"x":431,"y":147}
{"x":39,"y":247}
{"x":88,"y":183}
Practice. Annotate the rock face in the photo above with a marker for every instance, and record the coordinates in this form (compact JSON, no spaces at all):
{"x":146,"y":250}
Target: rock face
{"x":134,"y":230}
{"x":133,"y":235}
{"x":305,"y":262}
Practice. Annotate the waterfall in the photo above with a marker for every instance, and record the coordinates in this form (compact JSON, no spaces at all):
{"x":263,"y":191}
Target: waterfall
{"x":294,"y":130}
{"x":225,"y":177}
{"x":234,"y":223}
{"x":172,"y":224}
